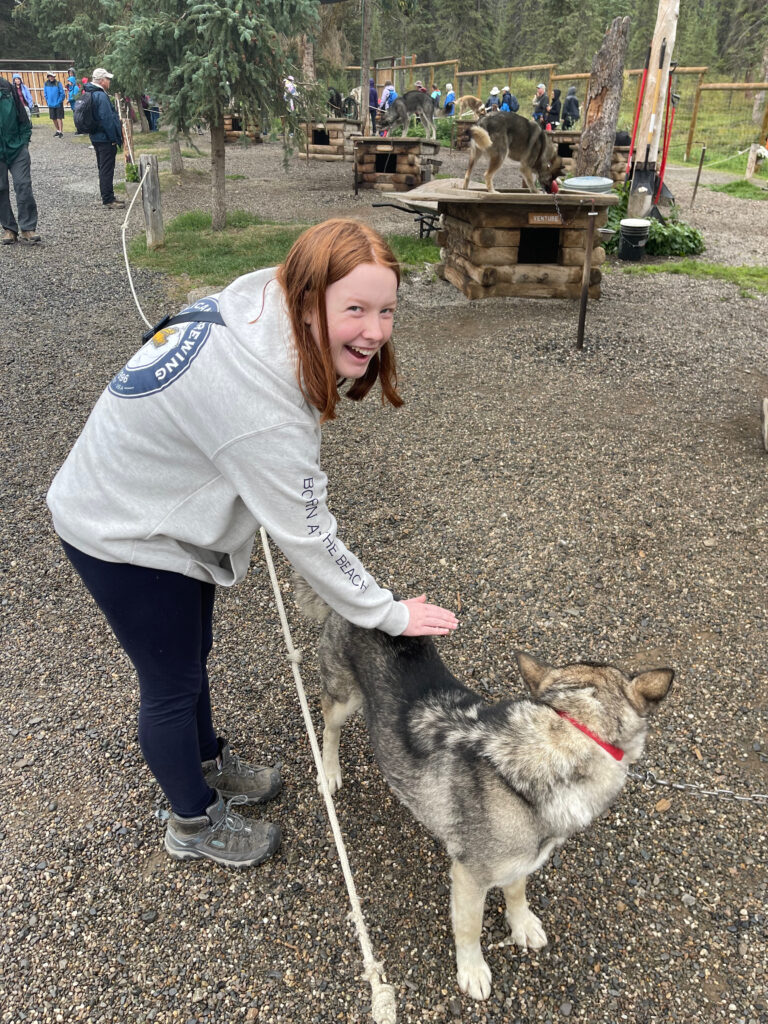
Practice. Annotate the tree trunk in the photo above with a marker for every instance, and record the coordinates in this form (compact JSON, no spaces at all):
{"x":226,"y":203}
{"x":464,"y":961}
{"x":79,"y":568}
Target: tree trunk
{"x":307,"y":59}
{"x":603,"y":101}
{"x":177,"y":164}
{"x":143,"y":123}
{"x":365,"y":64}
{"x":218,"y":197}
{"x":759,"y":104}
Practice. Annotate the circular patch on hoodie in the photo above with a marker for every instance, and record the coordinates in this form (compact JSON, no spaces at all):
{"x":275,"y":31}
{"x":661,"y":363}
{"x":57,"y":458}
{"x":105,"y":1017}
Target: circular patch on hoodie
{"x":165,"y":357}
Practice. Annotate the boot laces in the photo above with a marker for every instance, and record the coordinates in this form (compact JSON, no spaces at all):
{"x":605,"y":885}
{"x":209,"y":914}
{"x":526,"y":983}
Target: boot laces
{"x":231,"y":820}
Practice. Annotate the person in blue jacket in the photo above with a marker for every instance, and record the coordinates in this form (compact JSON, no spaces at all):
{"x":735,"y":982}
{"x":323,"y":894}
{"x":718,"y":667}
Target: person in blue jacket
{"x":24,"y":94}
{"x":73,"y":91}
{"x":54,"y":98}
{"x":449,"y":101}
{"x":108,"y":136}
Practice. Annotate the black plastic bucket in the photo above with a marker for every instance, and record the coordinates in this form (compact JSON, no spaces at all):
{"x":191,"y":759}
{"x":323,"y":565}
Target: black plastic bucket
{"x":633,"y":237}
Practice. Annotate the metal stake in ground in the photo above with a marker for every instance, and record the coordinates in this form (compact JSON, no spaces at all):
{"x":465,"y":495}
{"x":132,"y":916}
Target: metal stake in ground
{"x":698,"y":174}
{"x":585,"y":278}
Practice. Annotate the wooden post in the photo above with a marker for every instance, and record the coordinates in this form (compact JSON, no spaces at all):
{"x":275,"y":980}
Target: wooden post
{"x":751,"y":161}
{"x":654,"y":102}
{"x":585,"y":277}
{"x":150,"y":198}
{"x":694,"y":116}
{"x":698,"y":174}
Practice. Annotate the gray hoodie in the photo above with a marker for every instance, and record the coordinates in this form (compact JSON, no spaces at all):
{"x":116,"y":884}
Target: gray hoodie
{"x":199,"y":440}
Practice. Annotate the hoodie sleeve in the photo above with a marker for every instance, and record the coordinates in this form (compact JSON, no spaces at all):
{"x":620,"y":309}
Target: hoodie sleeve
{"x":277,"y":474}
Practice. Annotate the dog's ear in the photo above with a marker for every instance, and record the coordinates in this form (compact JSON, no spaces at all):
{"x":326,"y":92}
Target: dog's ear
{"x":646,"y":689}
{"x":533,"y":671}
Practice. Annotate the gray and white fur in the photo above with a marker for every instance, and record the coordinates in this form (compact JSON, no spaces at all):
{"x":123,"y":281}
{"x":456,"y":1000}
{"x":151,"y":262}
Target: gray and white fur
{"x":500,"y":785}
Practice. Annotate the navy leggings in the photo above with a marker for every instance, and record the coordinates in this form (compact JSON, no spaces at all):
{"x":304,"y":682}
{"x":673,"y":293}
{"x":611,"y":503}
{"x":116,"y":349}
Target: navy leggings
{"x":164,"y":623}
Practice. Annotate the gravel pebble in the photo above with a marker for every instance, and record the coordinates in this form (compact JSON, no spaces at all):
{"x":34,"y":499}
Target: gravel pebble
{"x":564,"y":502}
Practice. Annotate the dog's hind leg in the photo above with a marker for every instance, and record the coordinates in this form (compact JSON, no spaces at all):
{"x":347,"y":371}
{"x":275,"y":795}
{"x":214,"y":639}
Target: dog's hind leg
{"x":474,"y":152}
{"x":467,"y":902}
{"x":496,"y":159}
{"x":335,"y":714}
{"x":527,"y":930}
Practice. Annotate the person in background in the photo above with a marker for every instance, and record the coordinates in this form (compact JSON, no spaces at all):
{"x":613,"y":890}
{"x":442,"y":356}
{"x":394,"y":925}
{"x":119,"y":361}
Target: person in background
{"x":553,"y":111}
{"x":540,"y":103}
{"x":24,"y":94}
{"x":492,"y":103}
{"x":107,"y":138}
{"x":73,"y":92}
{"x":373,"y":104}
{"x":15,"y":133}
{"x":449,"y":101}
{"x":54,"y":98}
{"x":160,"y":499}
{"x":290,"y":93}
{"x":435,"y":97}
{"x":388,"y":96}
{"x":509,"y":100}
{"x":571,"y":113}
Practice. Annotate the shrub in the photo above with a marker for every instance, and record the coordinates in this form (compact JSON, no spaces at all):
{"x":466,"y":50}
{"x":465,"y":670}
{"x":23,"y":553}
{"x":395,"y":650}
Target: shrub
{"x":674,"y":238}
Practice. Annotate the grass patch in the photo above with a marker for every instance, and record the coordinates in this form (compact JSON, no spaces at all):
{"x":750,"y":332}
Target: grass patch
{"x":747,"y":279}
{"x":412,"y":251}
{"x":741,"y":190}
{"x":194,"y":255}
{"x":235,"y":177}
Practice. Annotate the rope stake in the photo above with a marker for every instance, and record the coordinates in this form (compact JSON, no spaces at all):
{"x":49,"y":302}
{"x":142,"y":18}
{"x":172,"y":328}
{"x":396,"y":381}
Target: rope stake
{"x":383,"y":1007}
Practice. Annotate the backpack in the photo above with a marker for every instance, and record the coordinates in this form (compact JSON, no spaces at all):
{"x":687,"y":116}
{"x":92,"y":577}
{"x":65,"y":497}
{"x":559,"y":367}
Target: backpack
{"x":85,"y":119}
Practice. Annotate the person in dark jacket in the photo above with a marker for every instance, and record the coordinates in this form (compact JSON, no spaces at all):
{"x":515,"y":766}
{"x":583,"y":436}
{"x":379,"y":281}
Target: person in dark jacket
{"x":107,"y":138}
{"x":373,"y":104}
{"x":571,"y":113}
{"x":540,"y":103}
{"x":553,"y":111}
{"x":15,"y":133}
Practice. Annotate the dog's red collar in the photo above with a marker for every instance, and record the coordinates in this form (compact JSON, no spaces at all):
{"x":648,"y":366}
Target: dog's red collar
{"x":616,"y":752}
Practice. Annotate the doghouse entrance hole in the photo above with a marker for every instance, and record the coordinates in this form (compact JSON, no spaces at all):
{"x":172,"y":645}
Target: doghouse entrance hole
{"x":320,"y":137}
{"x":538,"y":245}
{"x":386,"y":163}
{"x":565,"y":149}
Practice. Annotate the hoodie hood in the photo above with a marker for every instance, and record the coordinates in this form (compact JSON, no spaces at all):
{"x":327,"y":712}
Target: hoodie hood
{"x":555,"y":95}
{"x":571,"y":91}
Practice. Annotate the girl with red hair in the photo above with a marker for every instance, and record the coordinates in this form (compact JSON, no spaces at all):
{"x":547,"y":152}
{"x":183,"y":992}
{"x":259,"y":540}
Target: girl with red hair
{"x":211,"y":429}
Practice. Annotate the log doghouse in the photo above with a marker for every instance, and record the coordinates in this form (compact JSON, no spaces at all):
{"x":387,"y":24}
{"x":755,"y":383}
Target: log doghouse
{"x":329,"y":140}
{"x":235,"y":128}
{"x":516,"y":242}
{"x":394,"y":164}
{"x":568,"y":147}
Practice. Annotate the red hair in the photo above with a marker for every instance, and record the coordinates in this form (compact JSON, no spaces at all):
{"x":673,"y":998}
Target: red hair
{"x":318,"y":258}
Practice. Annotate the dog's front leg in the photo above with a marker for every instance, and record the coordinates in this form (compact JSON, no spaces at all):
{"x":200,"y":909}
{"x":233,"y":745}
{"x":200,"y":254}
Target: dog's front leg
{"x":335,"y":714}
{"x":467,"y":901}
{"x":527,"y":930}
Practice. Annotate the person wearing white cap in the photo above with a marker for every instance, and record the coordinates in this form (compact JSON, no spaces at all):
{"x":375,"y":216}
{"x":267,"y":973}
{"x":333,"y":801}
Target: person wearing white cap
{"x":54,"y":98}
{"x":540,"y":103}
{"x":449,"y":101}
{"x":492,"y":103}
{"x":106,"y":135}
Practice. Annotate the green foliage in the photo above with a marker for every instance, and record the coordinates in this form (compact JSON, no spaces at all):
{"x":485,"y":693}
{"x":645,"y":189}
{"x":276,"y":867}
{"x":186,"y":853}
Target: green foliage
{"x":675,"y":238}
{"x":132,"y":172}
{"x":413,"y":251}
{"x":748,"y":280}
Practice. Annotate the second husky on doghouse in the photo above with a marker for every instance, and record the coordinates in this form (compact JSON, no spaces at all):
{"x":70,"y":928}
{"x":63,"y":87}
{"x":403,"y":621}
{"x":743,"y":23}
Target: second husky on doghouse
{"x":412,"y":102}
{"x":500,"y":785}
{"x":507,"y":134}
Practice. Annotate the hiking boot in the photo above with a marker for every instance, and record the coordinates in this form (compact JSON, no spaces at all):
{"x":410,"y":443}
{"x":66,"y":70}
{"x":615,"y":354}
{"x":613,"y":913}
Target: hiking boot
{"x":30,"y":236}
{"x":9,"y":237}
{"x":765,"y":424}
{"x":221,"y":835}
{"x":231,"y":777}
{"x":116,"y":204}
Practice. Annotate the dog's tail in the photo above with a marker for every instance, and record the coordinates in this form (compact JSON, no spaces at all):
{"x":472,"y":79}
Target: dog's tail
{"x":480,"y":137}
{"x":310,"y":604}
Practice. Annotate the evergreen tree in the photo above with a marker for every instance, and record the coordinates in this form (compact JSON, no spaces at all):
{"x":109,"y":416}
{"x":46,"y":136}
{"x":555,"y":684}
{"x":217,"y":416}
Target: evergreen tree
{"x":202,"y":58}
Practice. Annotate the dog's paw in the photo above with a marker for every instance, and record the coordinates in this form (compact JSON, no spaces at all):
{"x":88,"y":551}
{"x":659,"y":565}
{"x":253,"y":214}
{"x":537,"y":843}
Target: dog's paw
{"x":333,"y":778}
{"x":527,"y":930}
{"x":473,"y":974}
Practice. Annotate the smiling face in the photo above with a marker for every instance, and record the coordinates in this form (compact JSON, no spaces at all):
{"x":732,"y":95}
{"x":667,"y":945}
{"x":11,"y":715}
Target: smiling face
{"x":359,"y":311}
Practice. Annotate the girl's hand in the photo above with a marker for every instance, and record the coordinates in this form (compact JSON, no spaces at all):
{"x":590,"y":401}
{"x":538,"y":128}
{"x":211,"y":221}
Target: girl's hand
{"x":427,"y":619}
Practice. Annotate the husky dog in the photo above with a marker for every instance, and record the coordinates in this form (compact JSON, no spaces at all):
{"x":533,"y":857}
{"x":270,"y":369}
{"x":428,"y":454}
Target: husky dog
{"x":473,"y":104}
{"x":412,"y":102}
{"x":507,"y":134}
{"x":500,"y":785}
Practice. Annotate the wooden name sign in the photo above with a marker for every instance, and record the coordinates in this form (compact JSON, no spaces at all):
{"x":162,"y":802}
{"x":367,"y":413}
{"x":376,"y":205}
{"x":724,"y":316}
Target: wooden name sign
{"x":544,"y":218}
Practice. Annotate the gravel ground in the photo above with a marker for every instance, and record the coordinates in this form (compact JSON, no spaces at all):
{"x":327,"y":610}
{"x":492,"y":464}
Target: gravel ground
{"x":606,"y":505}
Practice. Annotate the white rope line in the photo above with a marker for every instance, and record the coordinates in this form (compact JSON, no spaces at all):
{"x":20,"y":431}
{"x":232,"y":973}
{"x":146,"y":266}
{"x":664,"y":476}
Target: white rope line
{"x":125,"y":248}
{"x":383,"y":1008}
